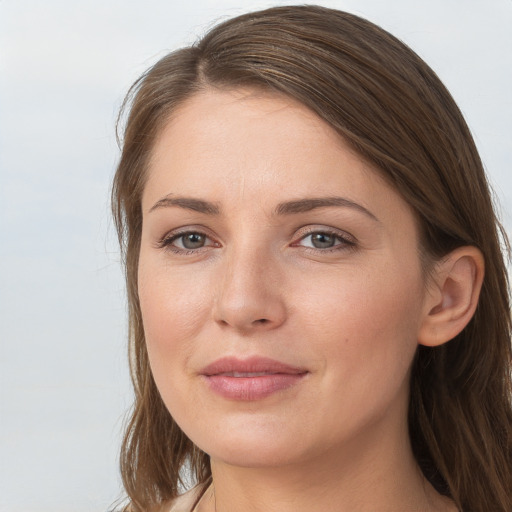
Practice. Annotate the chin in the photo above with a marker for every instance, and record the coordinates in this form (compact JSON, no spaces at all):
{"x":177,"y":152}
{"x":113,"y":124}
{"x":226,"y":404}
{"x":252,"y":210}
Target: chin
{"x":251,"y":447}
{"x":252,"y":455}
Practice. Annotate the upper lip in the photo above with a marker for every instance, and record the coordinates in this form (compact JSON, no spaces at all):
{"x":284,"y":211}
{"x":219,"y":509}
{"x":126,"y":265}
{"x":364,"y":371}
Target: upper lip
{"x":253,"y":364}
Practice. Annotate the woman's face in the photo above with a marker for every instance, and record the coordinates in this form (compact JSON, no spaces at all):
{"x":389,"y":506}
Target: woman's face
{"x":279,"y":281}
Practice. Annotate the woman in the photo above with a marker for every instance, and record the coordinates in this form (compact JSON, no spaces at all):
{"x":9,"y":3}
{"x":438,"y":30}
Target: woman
{"x":318,"y":301}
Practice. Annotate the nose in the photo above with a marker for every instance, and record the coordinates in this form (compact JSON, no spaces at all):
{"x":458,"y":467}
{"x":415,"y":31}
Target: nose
{"x":250,"y":297}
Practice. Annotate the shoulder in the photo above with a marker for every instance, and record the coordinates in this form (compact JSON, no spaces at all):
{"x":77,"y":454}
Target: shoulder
{"x":186,"y":501}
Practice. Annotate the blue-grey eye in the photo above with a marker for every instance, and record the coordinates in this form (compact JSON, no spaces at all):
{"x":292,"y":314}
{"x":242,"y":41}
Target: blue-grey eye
{"x":192,"y":240}
{"x":322,"y":240}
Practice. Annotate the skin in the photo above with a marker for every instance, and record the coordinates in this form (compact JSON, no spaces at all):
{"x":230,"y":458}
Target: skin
{"x":256,"y":283}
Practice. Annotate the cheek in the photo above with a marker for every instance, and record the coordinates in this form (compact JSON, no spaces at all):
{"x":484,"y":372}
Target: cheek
{"x":363,"y":334}
{"x":366,"y":322}
{"x":174,"y":309}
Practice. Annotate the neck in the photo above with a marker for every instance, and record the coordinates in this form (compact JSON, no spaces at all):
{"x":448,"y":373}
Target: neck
{"x":368,"y":475}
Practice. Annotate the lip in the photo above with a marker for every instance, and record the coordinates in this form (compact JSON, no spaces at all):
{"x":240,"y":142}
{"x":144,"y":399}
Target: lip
{"x":250,"y":379}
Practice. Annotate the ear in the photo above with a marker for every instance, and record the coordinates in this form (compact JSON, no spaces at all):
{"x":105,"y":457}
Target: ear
{"x":452,"y":295}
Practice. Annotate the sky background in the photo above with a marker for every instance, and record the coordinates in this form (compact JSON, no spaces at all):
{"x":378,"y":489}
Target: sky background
{"x":64,"y":69}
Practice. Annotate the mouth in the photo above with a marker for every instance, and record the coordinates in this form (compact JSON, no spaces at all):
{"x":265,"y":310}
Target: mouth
{"x":250,"y":379}
{"x":245,"y":374}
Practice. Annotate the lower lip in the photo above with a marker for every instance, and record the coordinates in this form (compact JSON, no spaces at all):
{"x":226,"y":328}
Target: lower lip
{"x":252,"y":388}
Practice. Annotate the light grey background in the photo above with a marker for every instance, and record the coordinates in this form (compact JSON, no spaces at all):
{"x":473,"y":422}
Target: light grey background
{"x":64,"y":68}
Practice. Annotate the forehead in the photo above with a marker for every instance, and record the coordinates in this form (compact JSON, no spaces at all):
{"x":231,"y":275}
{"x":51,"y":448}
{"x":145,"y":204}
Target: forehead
{"x":236,"y":122}
{"x":239,"y":146}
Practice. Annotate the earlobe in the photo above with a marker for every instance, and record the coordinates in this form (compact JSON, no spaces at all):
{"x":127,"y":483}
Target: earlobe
{"x":452,"y":295}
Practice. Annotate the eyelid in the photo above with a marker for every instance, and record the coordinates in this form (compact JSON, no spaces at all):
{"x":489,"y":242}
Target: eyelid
{"x":319,"y":228}
{"x":166,"y":242}
{"x":347,"y":240}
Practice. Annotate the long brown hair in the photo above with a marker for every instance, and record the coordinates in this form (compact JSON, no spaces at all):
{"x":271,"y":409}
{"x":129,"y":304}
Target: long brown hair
{"x":394,"y":111}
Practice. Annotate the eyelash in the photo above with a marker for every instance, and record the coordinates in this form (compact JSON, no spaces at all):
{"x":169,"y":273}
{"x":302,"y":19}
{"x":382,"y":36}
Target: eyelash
{"x":167,"y":242}
{"x":345,"y":242}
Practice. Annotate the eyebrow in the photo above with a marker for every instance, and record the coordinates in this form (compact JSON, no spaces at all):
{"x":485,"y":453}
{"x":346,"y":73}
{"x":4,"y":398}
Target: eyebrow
{"x":284,"y":208}
{"x":308,"y":204}
{"x":188,"y":203}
